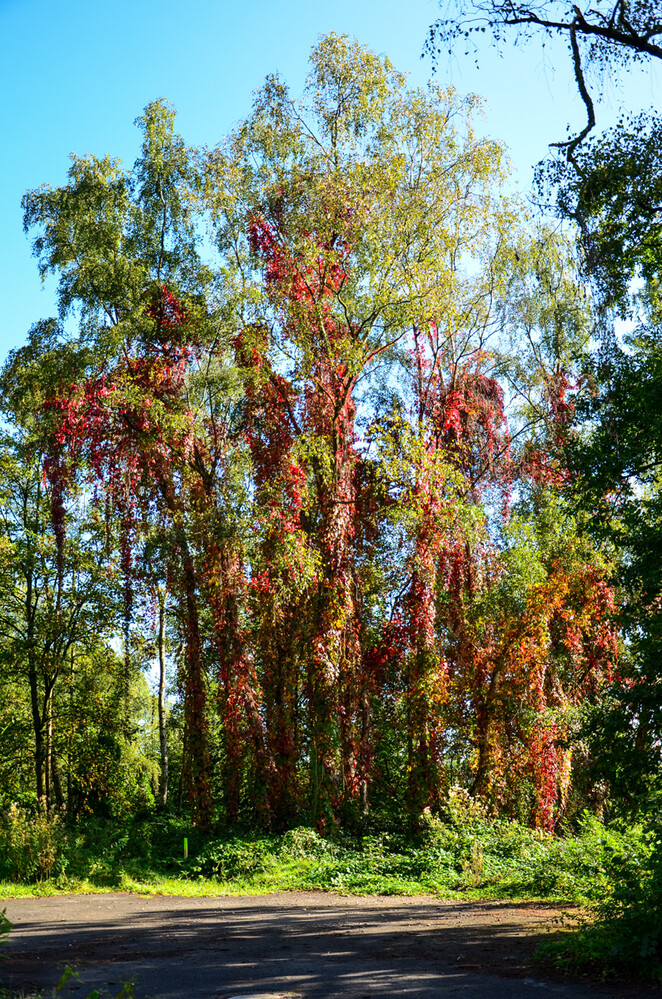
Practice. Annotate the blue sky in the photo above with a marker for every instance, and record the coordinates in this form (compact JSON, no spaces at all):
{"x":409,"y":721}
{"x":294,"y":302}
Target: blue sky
{"x":75,"y":74}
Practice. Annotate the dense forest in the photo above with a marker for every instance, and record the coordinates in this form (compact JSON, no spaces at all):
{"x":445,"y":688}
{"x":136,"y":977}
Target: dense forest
{"x":332,"y":493}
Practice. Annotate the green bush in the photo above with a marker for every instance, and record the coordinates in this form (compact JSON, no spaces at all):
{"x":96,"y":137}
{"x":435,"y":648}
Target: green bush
{"x":304,"y":843}
{"x":625,"y":935}
{"x":234,"y":859}
{"x":33,"y":845}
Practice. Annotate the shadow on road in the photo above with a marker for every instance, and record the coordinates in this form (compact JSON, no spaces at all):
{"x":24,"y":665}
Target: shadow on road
{"x":314,"y":945}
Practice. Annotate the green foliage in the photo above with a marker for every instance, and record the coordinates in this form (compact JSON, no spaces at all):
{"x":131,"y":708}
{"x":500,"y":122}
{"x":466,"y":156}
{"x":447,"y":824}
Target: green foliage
{"x":465,"y":853}
{"x":625,"y":935}
{"x":617,"y":458}
{"x":103,"y":851}
{"x":32,"y":844}
{"x":304,"y":843}
{"x":234,"y":860}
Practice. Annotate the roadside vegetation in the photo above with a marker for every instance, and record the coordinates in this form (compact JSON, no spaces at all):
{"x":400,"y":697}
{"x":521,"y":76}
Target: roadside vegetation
{"x":461,"y":854}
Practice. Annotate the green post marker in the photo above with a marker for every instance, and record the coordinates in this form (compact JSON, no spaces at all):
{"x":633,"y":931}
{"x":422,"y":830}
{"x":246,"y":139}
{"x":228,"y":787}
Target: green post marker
{"x":185,"y":848}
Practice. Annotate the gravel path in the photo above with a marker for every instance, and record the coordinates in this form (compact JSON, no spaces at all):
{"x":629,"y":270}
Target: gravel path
{"x":313,"y":946}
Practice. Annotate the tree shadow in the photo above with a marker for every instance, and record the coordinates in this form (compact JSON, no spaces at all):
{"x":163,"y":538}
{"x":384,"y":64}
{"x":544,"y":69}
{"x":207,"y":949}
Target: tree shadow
{"x":317,"y":946}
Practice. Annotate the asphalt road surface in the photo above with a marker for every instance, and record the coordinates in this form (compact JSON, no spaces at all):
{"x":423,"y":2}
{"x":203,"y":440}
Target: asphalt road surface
{"x":304,"y":946}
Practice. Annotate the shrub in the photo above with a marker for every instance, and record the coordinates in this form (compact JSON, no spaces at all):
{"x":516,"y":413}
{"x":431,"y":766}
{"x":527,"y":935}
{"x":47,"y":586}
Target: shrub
{"x":303,"y":843}
{"x":233,"y":859}
{"x":33,"y":844}
{"x":625,"y":935}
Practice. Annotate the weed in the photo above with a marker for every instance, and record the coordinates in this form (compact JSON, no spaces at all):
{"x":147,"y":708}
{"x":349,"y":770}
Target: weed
{"x":33,"y":845}
{"x":68,"y":976}
{"x":473,"y":869}
{"x":5,"y":927}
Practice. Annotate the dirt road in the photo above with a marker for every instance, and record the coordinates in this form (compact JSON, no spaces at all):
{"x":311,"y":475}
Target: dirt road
{"x":312,"y":946}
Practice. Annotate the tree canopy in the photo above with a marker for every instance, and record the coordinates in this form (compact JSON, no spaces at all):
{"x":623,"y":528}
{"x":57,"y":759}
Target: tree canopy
{"x":314,"y":466}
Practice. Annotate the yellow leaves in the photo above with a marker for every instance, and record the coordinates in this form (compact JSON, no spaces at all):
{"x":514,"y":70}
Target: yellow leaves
{"x":350,"y":87}
{"x":414,"y":467}
{"x":390,"y":183}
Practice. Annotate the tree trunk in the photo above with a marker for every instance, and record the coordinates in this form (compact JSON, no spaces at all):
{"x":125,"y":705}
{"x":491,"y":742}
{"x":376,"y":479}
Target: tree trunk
{"x":39,"y":755}
{"x":163,"y":745}
{"x":198,"y":785}
{"x":195,"y":705}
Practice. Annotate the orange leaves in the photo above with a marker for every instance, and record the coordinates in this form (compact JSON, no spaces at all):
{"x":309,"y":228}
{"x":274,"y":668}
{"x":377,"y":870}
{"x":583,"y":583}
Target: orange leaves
{"x":530,"y":669}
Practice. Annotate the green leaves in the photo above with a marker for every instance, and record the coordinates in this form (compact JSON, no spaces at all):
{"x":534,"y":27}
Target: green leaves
{"x":111,"y":234}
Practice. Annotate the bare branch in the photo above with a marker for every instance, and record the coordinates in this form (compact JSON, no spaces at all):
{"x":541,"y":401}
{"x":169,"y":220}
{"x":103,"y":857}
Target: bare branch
{"x":571,"y":144}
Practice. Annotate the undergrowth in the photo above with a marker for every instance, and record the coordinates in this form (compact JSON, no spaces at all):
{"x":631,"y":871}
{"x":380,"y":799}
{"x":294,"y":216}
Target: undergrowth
{"x":624,"y":935}
{"x":463,"y":853}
